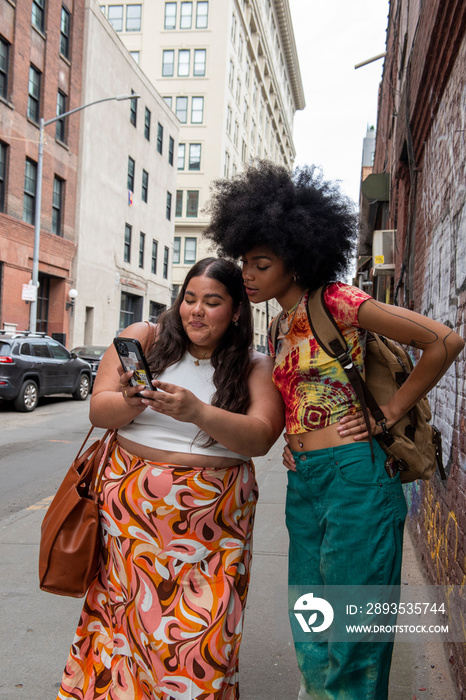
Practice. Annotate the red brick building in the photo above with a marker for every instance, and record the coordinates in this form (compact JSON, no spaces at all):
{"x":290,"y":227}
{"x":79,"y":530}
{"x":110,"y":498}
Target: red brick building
{"x":418,"y":191}
{"x":41,"y":44}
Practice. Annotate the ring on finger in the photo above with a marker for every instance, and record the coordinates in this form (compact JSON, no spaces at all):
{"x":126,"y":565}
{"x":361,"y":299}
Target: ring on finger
{"x":125,"y":393}
{"x":123,"y":384}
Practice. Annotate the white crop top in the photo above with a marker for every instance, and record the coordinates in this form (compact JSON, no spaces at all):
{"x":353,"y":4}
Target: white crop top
{"x":165,"y":433}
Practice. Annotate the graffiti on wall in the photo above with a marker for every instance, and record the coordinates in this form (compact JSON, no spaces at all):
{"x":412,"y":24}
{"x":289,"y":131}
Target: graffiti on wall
{"x":443,"y":299}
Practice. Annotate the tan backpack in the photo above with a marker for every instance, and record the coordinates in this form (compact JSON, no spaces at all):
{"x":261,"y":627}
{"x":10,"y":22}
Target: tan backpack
{"x":413,"y":444}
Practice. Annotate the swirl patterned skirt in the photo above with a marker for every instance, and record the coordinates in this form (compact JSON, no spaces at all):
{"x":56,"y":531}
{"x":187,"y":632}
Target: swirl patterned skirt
{"x":163,"y":618}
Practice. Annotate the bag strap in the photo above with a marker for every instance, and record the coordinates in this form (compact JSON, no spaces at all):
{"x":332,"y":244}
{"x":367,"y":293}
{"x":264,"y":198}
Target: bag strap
{"x":273,"y":332}
{"x":101,"y":456}
{"x":331,"y":340}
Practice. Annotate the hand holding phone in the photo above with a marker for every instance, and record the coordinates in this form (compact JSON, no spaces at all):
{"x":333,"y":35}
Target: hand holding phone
{"x":132,"y":359}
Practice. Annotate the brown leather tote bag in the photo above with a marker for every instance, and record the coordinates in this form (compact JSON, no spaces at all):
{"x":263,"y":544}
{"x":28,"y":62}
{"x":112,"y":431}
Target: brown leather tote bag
{"x":70,"y":533}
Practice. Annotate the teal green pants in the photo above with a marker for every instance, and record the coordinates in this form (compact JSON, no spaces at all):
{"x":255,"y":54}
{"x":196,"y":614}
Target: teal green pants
{"x":345,"y":519}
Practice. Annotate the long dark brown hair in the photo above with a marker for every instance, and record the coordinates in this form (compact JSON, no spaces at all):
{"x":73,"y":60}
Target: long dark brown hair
{"x":231,"y":357}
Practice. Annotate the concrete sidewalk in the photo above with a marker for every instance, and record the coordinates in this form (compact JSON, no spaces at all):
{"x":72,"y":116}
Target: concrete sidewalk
{"x":38,"y":628}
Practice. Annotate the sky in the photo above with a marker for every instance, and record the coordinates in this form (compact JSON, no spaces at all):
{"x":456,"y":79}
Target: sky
{"x":331,"y":37}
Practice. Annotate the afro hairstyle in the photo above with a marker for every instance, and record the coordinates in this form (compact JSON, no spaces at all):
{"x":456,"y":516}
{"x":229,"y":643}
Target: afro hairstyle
{"x":302,"y":218}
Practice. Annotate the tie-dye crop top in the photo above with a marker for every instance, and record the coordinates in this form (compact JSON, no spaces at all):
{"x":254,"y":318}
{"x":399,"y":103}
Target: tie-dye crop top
{"x":314,"y":387}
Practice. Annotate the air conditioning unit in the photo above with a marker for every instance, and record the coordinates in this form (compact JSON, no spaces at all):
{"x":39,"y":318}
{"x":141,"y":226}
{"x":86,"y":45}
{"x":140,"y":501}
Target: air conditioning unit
{"x":383,"y":252}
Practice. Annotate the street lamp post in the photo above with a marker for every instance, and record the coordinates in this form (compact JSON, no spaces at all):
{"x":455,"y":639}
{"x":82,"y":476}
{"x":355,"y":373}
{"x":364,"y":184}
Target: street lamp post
{"x":37,"y":210}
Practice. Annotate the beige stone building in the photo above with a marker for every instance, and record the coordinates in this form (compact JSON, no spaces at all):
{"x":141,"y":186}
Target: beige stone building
{"x":126,"y":192}
{"x":229,"y":71}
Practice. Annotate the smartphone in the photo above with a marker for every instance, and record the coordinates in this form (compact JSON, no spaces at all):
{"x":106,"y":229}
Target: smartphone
{"x":132,"y":358}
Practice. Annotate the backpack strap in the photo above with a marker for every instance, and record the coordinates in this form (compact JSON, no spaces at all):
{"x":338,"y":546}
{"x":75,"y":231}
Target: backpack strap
{"x":331,"y":340}
{"x":273,"y":332}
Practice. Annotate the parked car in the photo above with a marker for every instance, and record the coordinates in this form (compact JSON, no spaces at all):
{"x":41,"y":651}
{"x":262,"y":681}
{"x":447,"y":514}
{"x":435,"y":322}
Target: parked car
{"x":92,"y":354}
{"x":33,"y":365}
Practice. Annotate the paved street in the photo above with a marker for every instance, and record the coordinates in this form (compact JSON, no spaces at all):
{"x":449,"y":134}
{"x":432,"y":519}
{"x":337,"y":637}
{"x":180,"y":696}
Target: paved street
{"x":37,"y":628}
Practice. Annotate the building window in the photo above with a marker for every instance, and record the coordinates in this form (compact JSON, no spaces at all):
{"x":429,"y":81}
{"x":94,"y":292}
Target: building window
{"x":65,"y":26}
{"x":182,"y":109}
{"x":231,"y":75}
{"x":170,"y":15}
{"x":229,"y":119}
{"x":142,"y":243}
{"x":199,"y":62}
{"x":135,"y":56}
{"x":175,"y":291}
{"x":176,"y":250}
{"x":202,"y":11}
{"x":131,"y":166}
{"x":253,"y":133}
{"x":233,"y":28}
{"x":3,"y":157}
{"x":168,"y":101}
{"x":194,"y":156}
{"x":254,"y":94}
{"x":38,"y":14}
{"x":115,"y":17}
{"x":57,"y":206}
{"x":190,"y":251}
{"x":197,"y":110}
{"x":159,"y":138}
{"x":33,"y":94}
{"x":179,"y":204}
{"x":171,"y":149}
{"x":238,"y":91}
{"x":29,"y":203}
{"x":235,"y":135}
{"x":186,"y":17}
{"x":147,"y":116}
{"x":168,"y":210}
{"x":181,"y":155}
{"x":153,"y":259}
{"x":133,"y":18}
{"x":155,"y":311}
{"x":226,"y":170}
{"x":183,"y":62}
{"x":4,"y":62}
{"x":133,"y":109}
{"x":131,"y":307}
{"x":127,"y":245}
{"x":165,"y":263}
{"x":192,"y":203}
{"x":168,"y":63}
{"x":145,"y":185}
{"x":60,"y":133}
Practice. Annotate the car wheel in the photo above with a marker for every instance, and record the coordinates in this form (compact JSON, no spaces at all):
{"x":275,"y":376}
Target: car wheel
{"x":28,"y":397}
{"x":82,"y":392}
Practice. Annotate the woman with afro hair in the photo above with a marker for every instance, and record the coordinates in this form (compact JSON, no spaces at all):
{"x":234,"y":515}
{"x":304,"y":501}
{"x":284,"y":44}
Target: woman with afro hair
{"x":294,"y":233}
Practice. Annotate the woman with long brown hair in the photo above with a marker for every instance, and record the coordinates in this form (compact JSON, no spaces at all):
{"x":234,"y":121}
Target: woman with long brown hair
{"x":163,"y":619}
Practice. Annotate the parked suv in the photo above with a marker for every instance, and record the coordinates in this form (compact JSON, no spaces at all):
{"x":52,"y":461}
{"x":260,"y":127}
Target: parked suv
{"x":34,"y":365}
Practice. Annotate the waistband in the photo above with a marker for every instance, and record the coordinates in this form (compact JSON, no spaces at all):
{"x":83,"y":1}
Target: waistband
{"x":341,"y":451}
{"x":167,"y":465}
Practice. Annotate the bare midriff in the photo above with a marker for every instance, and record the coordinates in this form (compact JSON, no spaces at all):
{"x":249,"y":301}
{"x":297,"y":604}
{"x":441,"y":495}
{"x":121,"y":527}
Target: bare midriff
{"x":182,"y":459}
{"x":320,"y":439}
